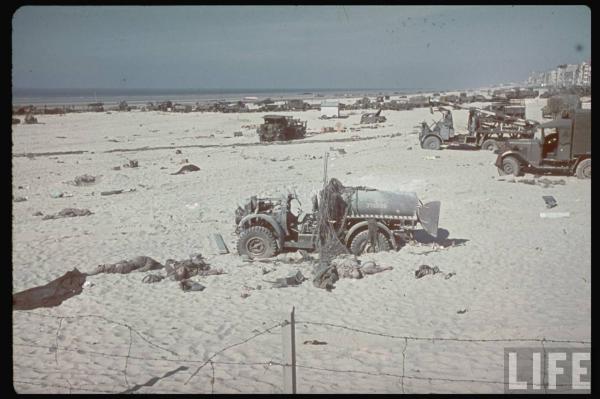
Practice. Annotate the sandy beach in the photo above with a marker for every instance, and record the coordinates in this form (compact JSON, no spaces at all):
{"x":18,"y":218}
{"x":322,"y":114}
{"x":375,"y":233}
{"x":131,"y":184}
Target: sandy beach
{"x":517,"y":275}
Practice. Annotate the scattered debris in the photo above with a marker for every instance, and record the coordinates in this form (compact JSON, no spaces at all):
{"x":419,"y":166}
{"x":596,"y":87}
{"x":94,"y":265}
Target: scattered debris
{"x":187,"y":285}
{"x":112,"y":192}
{"x":554,"y":215}
{"x":290,"y":281}
{"x":186,"y":168}
{"x":68,"y":212}
{"x":237,"y":134}
{"x":152,"y":278}
{"x":60,"y":195}
{"x":132,"y":164}
{"x":424,"y":270}
{"x":461,"y":311}
{"x":550,"y":201}
{"x":20,"y":199}
{"x":116,"y":168}
{"x":177,"y":151}
{"x":218,"y":238}
{"x":84,"y":180}
{"x":314,"y":342}
{"x":51,"y":294}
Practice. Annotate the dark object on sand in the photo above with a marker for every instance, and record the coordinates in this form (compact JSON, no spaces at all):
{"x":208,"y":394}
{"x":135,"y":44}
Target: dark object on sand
{"x":51,"y":294}
{"x":84,"y":179}
{"x":461,"y":311}
{"x":177,"y":151}
{"x":30,"y":119}
{"x":152,"y":278}
{"x":281,"y":128}
{"x":290,"y":281}
{"x":314,"y":342}
{"x":186,"y":168}
{"x":20,"y":199}
{"x":187,"y":285}
{"x":424,"y":270}
{"x":67,"y":213}
{"x":550,"y":201}
{"x":16,"y":121}
{"x":182,"y":270}
{"x":131,"y":164}
{"x":139,"y":263}
{"x":112,"y":192}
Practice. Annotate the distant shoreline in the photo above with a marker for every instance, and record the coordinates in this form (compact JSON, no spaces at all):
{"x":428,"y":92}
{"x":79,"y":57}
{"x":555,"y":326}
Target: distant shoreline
{"x":79,"y":97}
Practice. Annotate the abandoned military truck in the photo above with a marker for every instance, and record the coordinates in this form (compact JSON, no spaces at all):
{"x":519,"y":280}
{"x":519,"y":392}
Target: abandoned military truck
{"x":486,"y":129}
{"x":279,"y":127}
{"x":564,"y":146}
{"x":362,"y":219}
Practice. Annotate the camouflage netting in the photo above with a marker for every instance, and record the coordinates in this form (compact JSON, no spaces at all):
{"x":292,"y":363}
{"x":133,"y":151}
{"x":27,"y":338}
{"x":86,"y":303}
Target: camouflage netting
{"x":332,"y":216}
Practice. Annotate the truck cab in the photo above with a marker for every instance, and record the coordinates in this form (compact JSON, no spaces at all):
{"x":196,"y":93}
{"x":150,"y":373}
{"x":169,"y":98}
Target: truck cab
{"x":561,"y":146}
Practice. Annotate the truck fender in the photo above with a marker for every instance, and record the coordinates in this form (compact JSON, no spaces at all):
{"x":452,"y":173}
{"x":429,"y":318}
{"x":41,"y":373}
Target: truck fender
{"x":510,"y":153}
{"x":279,"y":233}
{"x":365,"y":224}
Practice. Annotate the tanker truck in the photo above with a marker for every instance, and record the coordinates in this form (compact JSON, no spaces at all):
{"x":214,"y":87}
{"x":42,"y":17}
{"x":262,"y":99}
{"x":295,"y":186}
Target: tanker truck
{"x":363,"y":219}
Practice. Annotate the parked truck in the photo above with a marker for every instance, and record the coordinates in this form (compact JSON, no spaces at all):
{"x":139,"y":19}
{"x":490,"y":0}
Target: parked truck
{"x":564,"y":146}
{"x":486,"y":129}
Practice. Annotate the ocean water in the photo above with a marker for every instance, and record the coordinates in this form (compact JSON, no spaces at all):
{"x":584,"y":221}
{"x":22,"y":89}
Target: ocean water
{"x":22,"y":96}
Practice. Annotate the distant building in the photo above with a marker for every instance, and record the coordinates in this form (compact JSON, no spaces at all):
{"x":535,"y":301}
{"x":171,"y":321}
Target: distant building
{"x":565,"y":75}
{"x":330,"y":109}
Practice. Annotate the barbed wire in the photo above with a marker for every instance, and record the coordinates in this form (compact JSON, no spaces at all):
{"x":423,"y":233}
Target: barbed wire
{"x":266,"y":364}
{"x":415,"y":338}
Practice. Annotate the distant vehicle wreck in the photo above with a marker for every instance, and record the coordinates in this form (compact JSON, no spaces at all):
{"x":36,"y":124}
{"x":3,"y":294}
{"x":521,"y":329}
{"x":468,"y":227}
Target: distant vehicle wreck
{"x":279,"y":127}
{"x":364,"y":219}
{"x":373,"y":117}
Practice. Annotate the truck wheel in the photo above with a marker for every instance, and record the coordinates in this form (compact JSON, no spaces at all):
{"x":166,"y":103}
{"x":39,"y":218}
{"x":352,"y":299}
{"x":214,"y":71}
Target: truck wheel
{"x":511,"y":166}
{"x":432,"y":143}
{"x":361,"y":243}
{"x":257,"y":242}
{"x":489,"y":145}
{"x":584,"y":169}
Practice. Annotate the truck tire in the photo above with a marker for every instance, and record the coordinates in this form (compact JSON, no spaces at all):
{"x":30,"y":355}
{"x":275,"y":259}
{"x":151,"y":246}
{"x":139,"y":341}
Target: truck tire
{"x":432,"y":143}
{"x":511,"y":166}
{"x":489,"y":145}
{"x":257,"y":242}
{"x":584,"y":169}
{"x":360,"y":243}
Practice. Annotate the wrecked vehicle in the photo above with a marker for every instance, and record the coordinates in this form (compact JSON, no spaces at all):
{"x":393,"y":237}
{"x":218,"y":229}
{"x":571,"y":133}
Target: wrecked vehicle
{"x":486,"y":129}
{"x":279,"y":127}
{"x":373,"y":117}
{"x":364,"y":220}
{"x":565,"y":147}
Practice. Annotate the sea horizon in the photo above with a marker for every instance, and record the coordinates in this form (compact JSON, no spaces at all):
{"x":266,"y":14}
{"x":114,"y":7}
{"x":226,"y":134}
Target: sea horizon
{"x":82,"y":96}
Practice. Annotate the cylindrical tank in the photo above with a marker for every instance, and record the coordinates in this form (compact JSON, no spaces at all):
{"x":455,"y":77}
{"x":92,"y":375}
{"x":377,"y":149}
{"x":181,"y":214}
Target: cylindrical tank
{"x":375,"y":202}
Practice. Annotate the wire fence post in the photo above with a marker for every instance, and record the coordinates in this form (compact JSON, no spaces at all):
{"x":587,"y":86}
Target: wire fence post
{"x":288,"y":335}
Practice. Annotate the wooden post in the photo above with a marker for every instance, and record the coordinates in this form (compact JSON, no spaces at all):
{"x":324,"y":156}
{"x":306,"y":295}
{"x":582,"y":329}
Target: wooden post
{"x":325,"y":159}
{"x":289,"y":354}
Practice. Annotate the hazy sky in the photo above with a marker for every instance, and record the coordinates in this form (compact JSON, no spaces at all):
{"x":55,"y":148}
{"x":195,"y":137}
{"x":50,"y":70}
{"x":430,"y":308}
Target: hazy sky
{"x":293,"y":46}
